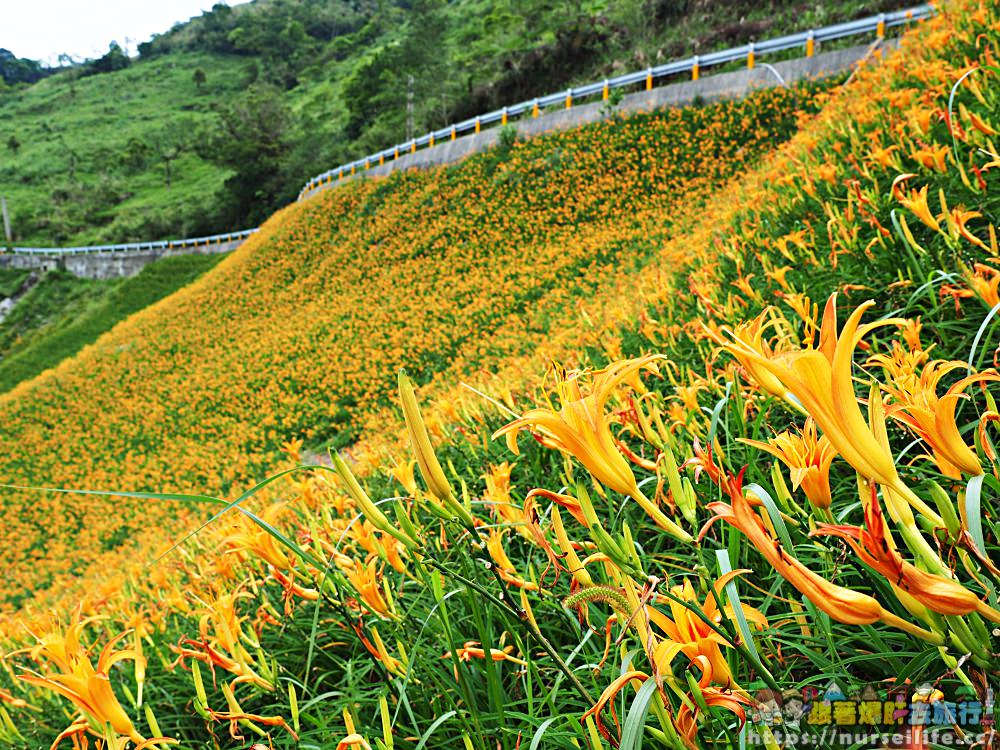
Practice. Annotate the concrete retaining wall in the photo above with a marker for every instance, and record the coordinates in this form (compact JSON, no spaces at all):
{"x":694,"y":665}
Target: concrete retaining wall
{"x":111,"y":265}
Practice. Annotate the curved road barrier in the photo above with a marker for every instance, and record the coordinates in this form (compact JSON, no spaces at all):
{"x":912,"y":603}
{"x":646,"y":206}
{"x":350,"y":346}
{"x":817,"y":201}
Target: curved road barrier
{"x":401,"y":155}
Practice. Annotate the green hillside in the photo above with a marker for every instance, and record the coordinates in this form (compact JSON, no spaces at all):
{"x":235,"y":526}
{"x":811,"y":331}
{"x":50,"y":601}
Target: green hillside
{"x":222,"y":119}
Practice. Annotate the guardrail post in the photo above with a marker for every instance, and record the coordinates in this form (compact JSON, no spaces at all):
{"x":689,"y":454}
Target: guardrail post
{"x":649,"y":79}
{"x":503,"y":116}
{"x":605,"y":90}
{"x":750,"y":58}
{"x":695,"y":69}
{"x":810,"y":44}
{"x":454,"y":133}
{"x":880,"y":29}
{"x":340,"y":173}
{"x":395,"y":152}
{"x":478,"y":125}
{"x":569,"y":98}
{"x":353,"y":169}
{"x":430,"y":141}
{"x":367,"y":165}
{"x":534,"y":109}
{"x":381,"y":158}
{"x":413,"y":146}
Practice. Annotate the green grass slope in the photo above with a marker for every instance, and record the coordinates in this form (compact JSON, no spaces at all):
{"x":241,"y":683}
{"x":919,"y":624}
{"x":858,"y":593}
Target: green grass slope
{"x":63,"y":313}
{"x":71,"y":182}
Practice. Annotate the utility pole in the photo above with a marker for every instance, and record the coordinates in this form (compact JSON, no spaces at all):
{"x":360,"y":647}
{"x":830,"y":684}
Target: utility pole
{"x":6,"y":224}
{"x":409,"y":108}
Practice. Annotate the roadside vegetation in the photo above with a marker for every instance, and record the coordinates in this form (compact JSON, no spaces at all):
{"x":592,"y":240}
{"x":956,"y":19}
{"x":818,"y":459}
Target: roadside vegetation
{"x":221,"y":120}
{"x":603,"y":440}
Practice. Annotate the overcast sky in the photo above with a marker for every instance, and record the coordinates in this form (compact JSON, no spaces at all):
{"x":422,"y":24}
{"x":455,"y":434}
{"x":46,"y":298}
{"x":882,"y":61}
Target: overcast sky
{"x":43,"y":29}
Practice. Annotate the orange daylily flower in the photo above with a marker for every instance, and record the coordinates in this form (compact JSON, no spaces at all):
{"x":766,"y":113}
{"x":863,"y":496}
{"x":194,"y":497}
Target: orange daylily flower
{"x":933,"y":419}
{"x":221,"y":641}
{"x":959,"y":218}
{"x":808,"y":459}
{"x":505,"y":568}
{"x":473,"y":650}
{"x":497,"y":497}
{"x":581,"y":428}
{"x":686,"y":720}
{"x":916,"y":201}
{"x":874,"y":545}
{"x":85,"y":685}
{"x":842,"y":604}
{"x":354,"y":740}
{"x":364,"y":579}
{"x":607,"y":698}
{"x":985,"y":283}
{"x":688,"y":634}
{"x":235,"y":715}
{"x":932,"y":157}
{"x":821,"y":380}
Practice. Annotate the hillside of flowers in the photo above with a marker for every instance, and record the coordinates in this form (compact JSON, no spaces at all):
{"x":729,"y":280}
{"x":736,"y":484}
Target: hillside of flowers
{"x":299,"y":334}
{"x":690,"y":456}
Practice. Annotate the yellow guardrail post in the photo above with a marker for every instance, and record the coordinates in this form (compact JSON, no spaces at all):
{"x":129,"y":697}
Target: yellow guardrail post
{"x":413,"y":146}
{"x":649,"y":79}
{"x":503,"y":116}
{"x":381,"y":159}
{"x":395,"y":152}
{"x":750,"y":58}
{"x":430,"y":141}
{"x":880,"y":29}
{"x":478,"y":126}
{"x":569,"y":98}
{"x":810,"y":44}
{"x":695,"y":72}
{"x":454,"y":133}
{"x":534,"y":109}
{"x":605,"y":90}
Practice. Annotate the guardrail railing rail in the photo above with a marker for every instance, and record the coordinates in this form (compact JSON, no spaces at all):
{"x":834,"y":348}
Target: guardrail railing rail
{"x":806,"y":40}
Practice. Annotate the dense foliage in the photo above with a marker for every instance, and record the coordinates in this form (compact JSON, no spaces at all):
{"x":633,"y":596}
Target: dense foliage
{"x":741,"y":480}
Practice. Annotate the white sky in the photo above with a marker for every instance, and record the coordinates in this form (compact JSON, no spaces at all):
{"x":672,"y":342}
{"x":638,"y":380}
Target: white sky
{"x":42,"y":29}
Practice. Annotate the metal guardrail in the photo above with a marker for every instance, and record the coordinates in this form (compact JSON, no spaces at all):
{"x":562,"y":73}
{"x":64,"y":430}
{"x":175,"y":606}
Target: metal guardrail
{"x":213,"y":239}
{"x":806,"y":40}
{"x":693,"y":65}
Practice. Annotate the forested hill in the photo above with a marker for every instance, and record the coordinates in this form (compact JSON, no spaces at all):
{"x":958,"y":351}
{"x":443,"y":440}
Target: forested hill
{"x":219,"y":120}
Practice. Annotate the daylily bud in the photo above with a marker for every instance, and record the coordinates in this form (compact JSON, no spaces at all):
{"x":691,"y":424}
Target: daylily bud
{"x":376,"y":517}
{"x":430,"y":467}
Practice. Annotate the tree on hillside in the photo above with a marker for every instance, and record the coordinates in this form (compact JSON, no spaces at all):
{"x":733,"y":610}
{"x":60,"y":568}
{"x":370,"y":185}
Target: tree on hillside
{"x":379,"y":88}
{"x":251,"y":137}
{"x":115,"y":59}
{"x":168,"y":145}
{"x":136,"y":155}
{"x":13,"y":144}
{"x":19,"y":70}
{"x":199,"y":78}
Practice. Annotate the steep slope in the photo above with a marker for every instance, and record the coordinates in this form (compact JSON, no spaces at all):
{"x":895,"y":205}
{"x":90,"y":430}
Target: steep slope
{"x":62,"y":313}
{"x":331,"y":297}
{"x":145,"y":152}
{"x":431,"y":621}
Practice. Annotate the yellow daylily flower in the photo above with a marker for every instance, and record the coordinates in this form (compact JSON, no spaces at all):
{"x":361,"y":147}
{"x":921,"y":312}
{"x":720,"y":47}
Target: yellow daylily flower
{"x":581,"y":428}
